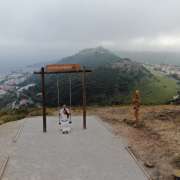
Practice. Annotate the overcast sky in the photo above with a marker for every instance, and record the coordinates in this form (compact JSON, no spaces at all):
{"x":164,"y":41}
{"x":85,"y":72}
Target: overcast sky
{"x":39,"y":30}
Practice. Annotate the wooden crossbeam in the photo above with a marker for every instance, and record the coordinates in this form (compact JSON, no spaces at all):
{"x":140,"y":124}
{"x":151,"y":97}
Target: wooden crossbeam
{"x":62,"y":67}
{"x":57,"y":72}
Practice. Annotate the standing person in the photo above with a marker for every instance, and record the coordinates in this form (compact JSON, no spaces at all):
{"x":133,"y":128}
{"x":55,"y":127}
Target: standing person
{"x":64,"y":115}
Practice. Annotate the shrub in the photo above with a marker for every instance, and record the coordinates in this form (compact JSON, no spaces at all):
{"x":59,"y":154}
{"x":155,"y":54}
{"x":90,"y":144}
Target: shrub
{"x":7,"y":118}
{"x":38,"y":112}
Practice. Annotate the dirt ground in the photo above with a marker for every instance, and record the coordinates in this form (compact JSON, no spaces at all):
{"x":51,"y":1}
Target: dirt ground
{"x":156,"y":139}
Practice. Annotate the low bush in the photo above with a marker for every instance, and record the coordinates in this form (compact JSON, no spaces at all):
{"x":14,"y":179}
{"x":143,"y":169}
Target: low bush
{"x":8,"y":117}
{"x":38,"y":112}
{"x":14,"y":115}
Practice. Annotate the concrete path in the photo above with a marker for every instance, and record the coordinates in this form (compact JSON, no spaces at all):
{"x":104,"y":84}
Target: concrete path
{"x":92,"y":154}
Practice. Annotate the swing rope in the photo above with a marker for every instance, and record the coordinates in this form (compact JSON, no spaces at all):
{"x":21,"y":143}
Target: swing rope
{"x":58,"y":97}
{"x":70,"y":94}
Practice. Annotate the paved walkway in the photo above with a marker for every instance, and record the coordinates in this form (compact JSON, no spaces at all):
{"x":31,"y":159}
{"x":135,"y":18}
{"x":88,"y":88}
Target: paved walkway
{"x":92,"y":154}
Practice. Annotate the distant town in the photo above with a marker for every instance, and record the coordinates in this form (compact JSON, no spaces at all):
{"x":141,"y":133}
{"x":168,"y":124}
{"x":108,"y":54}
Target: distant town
{"x":12,"y":83}
{"x":168,"y":69}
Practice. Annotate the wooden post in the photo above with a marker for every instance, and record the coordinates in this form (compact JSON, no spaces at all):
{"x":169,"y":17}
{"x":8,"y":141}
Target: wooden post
{"x":84,"y":97}
{"x":136,"y":105}
{"x":43,"y":99}
{"x":58,"y":94}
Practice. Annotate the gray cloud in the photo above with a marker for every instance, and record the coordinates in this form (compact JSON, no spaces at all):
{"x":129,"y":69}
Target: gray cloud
{"x":36,"y":30}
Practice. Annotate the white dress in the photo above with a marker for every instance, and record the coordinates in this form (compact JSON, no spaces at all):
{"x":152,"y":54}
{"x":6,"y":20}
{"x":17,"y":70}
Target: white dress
{"x":64,"y":120}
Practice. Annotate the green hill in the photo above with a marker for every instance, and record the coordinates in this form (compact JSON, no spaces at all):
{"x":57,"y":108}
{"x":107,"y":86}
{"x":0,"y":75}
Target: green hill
{"x":92,"y":58}
{"x":112,"y":81}
{"x":158,"y":90}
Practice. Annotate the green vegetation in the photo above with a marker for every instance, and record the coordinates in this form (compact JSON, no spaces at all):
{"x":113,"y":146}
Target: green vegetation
{"x":12,"y":115}
{"x":38,"y":111}
{"x":93,"y":57}
{"x":112,"y":82}
{"x":158,"y":90}
{"x":7,"y":115}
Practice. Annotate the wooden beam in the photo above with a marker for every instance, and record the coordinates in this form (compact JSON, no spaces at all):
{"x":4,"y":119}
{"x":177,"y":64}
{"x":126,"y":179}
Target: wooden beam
{"x":43,"y":99}
{"x":80,"y":71}
{"x":62,"y":67}
{"x":84,"y":97}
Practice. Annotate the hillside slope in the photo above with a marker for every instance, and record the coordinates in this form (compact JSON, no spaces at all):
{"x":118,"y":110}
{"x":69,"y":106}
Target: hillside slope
{"x":112,"y":81}
{"x":158,"y":90}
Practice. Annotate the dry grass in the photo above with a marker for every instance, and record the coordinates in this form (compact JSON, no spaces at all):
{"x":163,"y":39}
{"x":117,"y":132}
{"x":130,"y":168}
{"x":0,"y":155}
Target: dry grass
{"x":7,"y":116}
{"x":38,"y":112}
{"x":156,"y":140}
{"x":14,"y":115}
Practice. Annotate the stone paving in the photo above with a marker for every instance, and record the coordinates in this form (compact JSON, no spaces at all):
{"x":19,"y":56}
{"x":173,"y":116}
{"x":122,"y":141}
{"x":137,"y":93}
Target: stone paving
{"x":92,"y":154}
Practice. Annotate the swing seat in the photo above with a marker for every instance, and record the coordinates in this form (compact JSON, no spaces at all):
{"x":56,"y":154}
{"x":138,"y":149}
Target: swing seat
{"x":65,"y":127}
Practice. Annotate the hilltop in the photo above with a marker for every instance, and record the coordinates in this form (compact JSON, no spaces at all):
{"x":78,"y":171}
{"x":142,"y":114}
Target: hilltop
{"x":112,"y":82}
{"x":92,"y":57}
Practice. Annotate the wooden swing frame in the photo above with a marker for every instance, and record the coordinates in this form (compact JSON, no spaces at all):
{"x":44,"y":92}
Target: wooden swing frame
{"x":59,"y":69}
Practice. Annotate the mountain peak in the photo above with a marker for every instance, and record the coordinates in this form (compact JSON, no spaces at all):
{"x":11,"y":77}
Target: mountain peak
{"x":99,"y":50}
{"x":92,"y":57}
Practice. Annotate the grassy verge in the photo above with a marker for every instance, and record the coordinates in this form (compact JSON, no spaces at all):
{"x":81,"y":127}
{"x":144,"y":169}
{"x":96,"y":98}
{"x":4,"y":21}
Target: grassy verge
{"x":7,"y":115}
{"x":14,"y":115}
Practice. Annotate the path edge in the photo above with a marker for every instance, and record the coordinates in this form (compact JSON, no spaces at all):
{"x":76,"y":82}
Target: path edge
{"x":3,"y":166}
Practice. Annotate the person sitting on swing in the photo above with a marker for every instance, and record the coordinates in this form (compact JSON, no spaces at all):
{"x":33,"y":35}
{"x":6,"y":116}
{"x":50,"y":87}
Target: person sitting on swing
{"x":64,"y":119}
